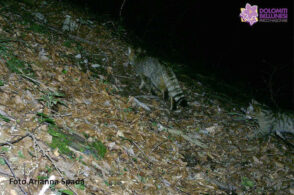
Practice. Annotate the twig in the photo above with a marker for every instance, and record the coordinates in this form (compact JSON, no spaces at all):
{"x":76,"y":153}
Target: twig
{"x":49,"y":158}
{"x":158,"y":145}
{"x":147,"y":96}
{"x":44,"y":153}
{"x":83,"y":40}
{"x":179,"y":190}
{"x":157,"y":107}
{"x":121,"y":7}
{"x":31,"y":79}
{"x":19,"y":139}
{"x":63,"y":115}
{"x":144,"y":106}
{"x":230,"y":189}
{"x":39,"y":83}
{"x":12,"y":172}
{"x":6,"y":174}
{"x":14,"y":141}
{"x":41,"y":149}
{"x":10,"y":40}
{"x":133,"y":142}
{"x":120,"y":76}
{"x":73,"y":36}
{"x":5,"y":115}
{"x":180,"y":133}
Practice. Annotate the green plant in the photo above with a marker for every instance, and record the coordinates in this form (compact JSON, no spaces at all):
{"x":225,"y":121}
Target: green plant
{"x":247,"y":183}
{"x":44,"y":118}
{"x":48,"y":169}
{"x":18,"y":66}
{"x":3,"y":50}
{"x":42,"y":177}
{"x":20,"y":154}
{"x":2,"y":161}
{"x":37,"y":28}
{"x":106,"y":183}
{"x":4,"y":149}
{"x":68,"y":192}
{"x":80,"y":186}
{"x":99,"y":147}
{"x":59,"y":140}
{"x":51,"y":98}
{"x":68,"y":43}
{"x":4,"y":118}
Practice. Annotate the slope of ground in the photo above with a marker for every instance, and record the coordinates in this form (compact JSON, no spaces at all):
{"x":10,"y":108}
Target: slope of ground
{"x":70,"y":107}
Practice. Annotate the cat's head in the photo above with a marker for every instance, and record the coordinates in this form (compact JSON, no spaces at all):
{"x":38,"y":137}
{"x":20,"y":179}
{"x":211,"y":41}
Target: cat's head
{"x":133,"y":54}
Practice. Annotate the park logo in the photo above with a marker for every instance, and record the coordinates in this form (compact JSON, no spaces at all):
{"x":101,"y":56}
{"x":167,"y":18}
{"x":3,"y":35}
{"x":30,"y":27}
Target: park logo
{"x":249,"y":14}
{"x":252,"y":15}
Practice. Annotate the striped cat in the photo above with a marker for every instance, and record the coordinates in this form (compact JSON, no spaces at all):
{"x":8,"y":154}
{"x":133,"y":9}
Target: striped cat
{"x":269,"y":121}
{"x":157,"y":77}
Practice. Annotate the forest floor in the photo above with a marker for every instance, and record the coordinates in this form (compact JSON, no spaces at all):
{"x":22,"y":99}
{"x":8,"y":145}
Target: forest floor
{"x":71,"y":110}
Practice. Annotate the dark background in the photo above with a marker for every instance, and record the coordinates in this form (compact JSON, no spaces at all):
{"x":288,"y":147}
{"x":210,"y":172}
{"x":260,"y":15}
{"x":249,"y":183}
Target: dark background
{"x":209,"y":37}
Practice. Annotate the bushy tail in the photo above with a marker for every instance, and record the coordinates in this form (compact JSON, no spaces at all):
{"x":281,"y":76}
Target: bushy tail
{"x":174,"y":89}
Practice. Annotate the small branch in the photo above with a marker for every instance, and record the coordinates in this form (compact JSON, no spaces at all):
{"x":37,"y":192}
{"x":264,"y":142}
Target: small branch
{"x":120,"y":76}
{"x":6,"y":115}
{"x":147,"y":97}
{"x":187,"y":138}
{"x":6,"y":174}
{"x":73,"y":36}
{"x":39,"y":83}
{"x":12,"y":172}
{"x":133,"y":142}
{"x":31,"y":79}
{"x":83,"y":40}
{"x":19,"y":139}
{"x":144,"y":106}
{"x":49,"y":158}
{"x":230,"y":189}
{"x":158,"y":145}
{"x":14,"y":141}
{"x":10,"y":40}
{"x":121,"y":7}
{"x":44,"y":153}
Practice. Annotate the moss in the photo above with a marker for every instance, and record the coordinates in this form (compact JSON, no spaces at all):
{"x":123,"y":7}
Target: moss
{"x":4,"y":149}
{"x":63,"y":140}
{"x":18,"y":66}
{"x":68,"y":43}
{"x":4,"y":118}
{"x":29,"y":2}
{"x":99,"y":148}
{"x":38,"y":28}
{"x":2,"y":161}
{"x":68,"y":192}
{"x":60,"y":141}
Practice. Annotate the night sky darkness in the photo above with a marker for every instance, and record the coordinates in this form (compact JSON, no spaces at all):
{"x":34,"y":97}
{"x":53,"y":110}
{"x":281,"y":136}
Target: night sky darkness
{"x":210,"y":35}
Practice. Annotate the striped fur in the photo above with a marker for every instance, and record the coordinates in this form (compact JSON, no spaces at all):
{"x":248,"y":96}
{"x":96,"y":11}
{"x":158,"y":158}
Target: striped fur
{"x":269,"y":121}
{"x":158,"y":78}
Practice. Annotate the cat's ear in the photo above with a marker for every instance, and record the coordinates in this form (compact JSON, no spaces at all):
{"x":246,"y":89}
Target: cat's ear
{"x":254,"y":102}
{"x":129,"y":50}
{"x":139,"y":50}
